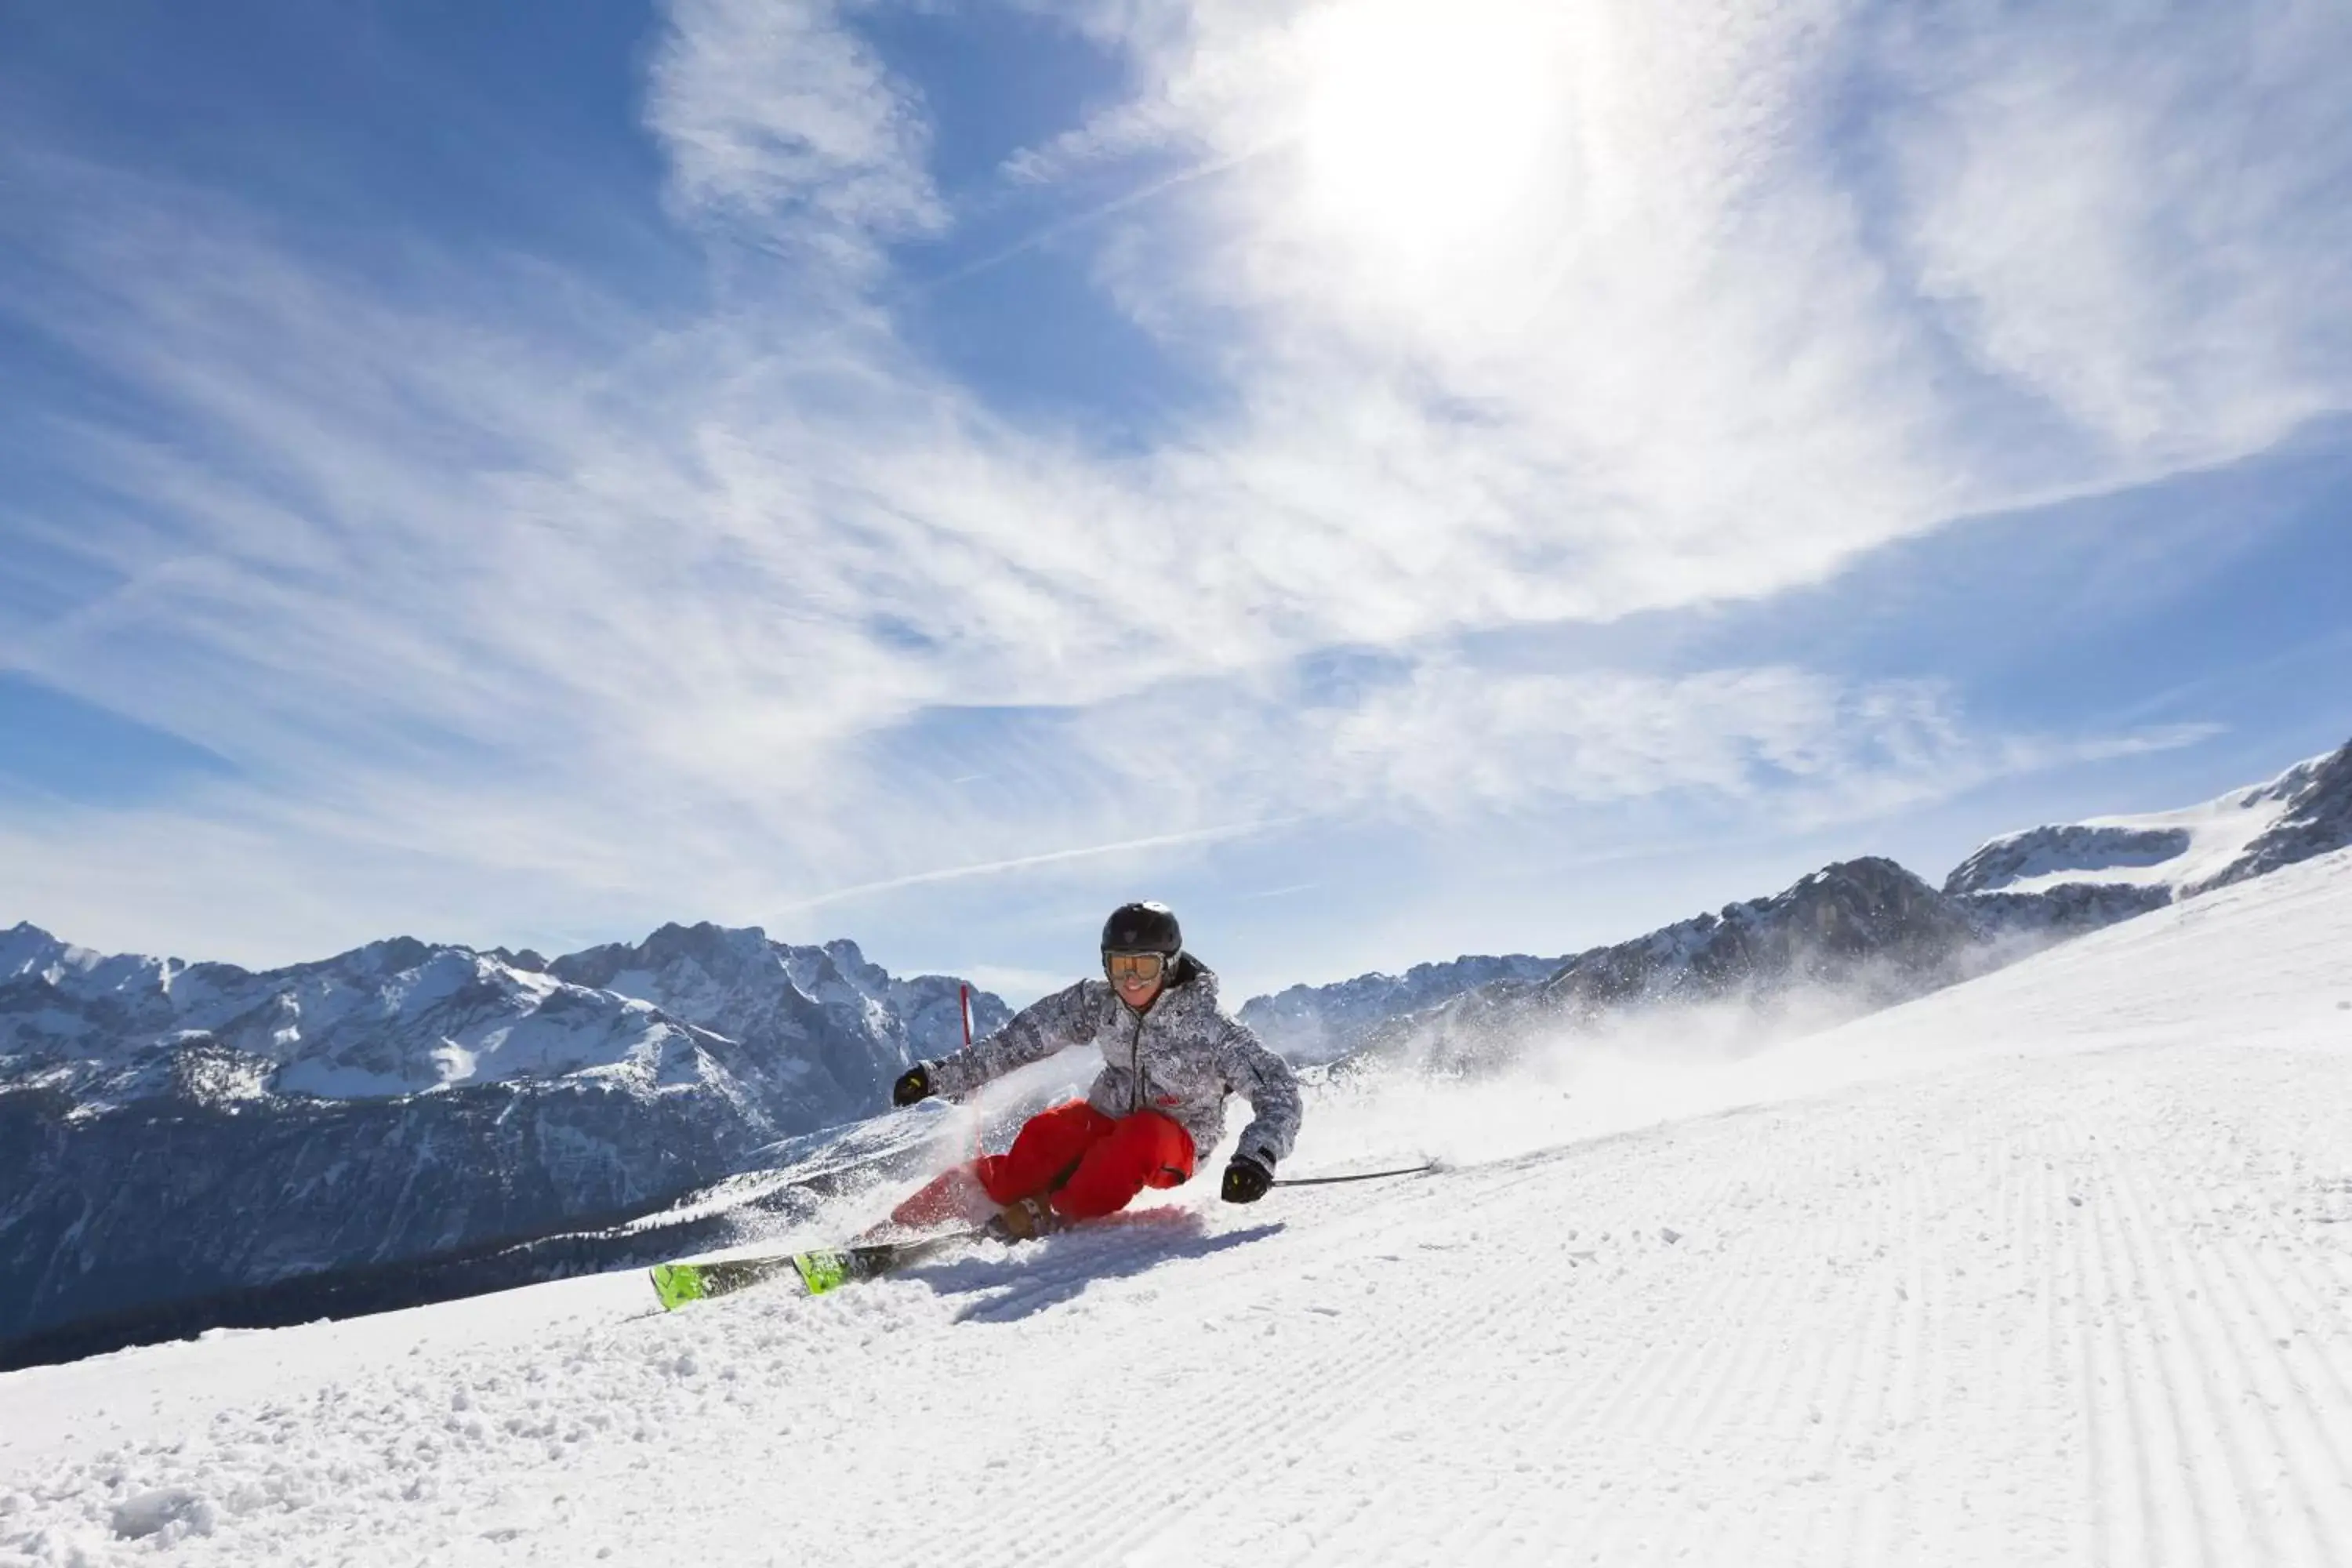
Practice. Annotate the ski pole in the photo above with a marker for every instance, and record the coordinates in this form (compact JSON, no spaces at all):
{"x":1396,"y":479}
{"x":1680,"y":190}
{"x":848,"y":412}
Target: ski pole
{"x":964,"y":1006}
{"x":1367,"y":1176}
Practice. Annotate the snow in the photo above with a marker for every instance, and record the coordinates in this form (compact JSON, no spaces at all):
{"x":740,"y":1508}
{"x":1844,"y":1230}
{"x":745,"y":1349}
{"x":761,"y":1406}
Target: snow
{"x":2053,"y":1266}
{"x":640,"y":984}
{"x":395,"y":1018}
{"x":2179,"y":850}
{"x":2218,"y":834}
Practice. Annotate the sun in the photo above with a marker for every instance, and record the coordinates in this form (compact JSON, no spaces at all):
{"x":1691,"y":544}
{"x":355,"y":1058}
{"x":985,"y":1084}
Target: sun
{"x":1427,"y":123}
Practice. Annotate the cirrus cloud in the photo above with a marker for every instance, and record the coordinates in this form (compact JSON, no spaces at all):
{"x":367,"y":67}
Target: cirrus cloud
{"x":496,"y":575}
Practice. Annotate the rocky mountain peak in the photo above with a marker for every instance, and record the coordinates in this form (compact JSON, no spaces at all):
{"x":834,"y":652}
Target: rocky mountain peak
{"x":724,"y":954}
{"x":716,"y":948}
{"x":24,"y":948}
{"x":850,"y":961}
{"x":2317,"y":820}
{"x":2162,"y":856}
{"x":393,"y":955}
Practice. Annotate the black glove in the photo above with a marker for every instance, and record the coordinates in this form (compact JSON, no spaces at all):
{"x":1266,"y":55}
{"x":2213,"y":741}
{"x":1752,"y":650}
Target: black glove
{"x":914,"y":1084}
{"x":1246,"y":1180}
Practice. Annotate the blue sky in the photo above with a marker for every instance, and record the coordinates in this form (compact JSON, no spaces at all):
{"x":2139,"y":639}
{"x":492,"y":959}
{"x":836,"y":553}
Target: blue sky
{"x":1396,"y":478}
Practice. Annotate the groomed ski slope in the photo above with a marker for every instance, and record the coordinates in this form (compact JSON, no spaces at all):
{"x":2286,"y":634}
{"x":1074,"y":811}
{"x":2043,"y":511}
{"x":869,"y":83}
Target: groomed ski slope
{"x":2050,"y":1267}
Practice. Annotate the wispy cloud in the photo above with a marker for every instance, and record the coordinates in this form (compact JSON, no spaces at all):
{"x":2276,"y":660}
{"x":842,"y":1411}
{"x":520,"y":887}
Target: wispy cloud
{"x":778,"y":115}
{"x":505,"y":595}
{"x":1785,"y":280}
{"x":1438,"y":739}
{"x":2133,"y":213}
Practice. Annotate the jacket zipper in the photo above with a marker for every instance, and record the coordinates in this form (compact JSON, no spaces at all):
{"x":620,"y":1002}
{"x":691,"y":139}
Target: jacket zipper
{"x":1135,"y":1065}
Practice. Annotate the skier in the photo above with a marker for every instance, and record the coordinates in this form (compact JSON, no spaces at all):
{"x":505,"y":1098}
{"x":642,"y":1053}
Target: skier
{"x":1171,"y":1058}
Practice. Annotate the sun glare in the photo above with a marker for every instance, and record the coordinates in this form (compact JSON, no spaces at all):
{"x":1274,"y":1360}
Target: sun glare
{"x":1426,"y":124}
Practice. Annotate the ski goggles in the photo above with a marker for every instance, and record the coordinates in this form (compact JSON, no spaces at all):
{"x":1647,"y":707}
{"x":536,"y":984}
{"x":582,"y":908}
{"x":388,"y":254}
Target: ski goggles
{"x":1141,"y":966}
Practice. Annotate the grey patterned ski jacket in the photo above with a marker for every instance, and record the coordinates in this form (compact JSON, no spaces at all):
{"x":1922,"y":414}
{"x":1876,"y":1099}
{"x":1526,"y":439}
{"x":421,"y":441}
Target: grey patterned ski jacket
{"x":1179,"y":1057}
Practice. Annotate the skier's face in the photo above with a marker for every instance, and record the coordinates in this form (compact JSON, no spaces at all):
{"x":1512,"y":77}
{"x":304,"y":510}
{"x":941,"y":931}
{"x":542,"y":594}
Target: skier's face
{"x":1136,"y":976}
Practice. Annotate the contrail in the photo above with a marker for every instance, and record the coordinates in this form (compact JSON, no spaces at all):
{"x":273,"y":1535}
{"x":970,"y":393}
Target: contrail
{"x":1052,"y":856}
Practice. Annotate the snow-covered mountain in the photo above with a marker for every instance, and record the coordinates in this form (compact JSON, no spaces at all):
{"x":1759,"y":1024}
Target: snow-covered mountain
{"x":845,"y":1028}
{"x":389,"y":1019}
{"x":1850,"y":938}
{"x":1311,"y":1023}
{"x":1847,"y":939}
{"x":169,"y":1130}
{"x":2303,"y":813}
{"x":2049,"y":1268}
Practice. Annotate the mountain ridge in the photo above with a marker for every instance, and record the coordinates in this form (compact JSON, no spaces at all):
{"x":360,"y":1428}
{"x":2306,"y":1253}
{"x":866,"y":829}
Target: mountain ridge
{"x":2015,"y":892}
{"x":2303,"y":811}
{"x":178,"y":1130}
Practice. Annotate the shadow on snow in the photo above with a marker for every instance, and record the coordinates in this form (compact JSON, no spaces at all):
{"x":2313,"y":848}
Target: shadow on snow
{"x":1048,"y":1273}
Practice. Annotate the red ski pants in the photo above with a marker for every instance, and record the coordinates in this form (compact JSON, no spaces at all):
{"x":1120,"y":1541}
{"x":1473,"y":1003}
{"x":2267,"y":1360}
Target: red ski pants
{"x":1092,"y":1163}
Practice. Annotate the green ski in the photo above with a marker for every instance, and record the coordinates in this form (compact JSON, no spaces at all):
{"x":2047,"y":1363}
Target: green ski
{"x":827,"y":1268}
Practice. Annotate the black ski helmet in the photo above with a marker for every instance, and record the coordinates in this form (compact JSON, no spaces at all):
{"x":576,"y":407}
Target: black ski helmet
{"x":1143,"y":928}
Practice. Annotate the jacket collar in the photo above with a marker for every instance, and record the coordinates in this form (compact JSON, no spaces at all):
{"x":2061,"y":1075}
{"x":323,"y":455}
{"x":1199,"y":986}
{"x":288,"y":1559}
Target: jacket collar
{"x":1192,"y":987}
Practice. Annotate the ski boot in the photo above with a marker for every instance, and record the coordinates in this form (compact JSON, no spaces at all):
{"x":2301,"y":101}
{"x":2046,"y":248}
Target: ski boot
{"x":1025,"y":1221}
